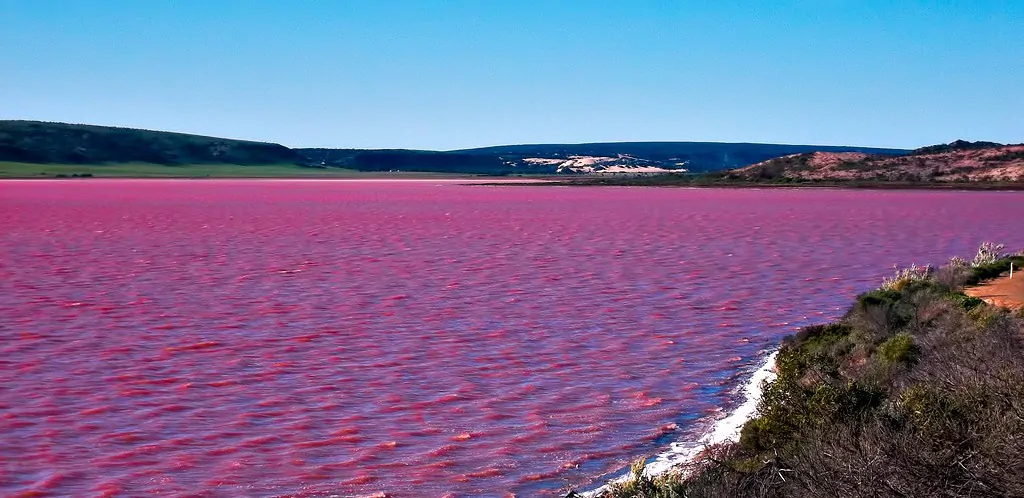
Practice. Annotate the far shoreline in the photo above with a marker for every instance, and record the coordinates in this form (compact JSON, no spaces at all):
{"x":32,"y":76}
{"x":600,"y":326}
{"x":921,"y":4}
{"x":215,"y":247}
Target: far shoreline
{"x":547,"y":181}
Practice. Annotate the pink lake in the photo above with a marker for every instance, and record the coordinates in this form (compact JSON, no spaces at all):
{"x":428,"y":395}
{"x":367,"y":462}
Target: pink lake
{"x":266,"y":338}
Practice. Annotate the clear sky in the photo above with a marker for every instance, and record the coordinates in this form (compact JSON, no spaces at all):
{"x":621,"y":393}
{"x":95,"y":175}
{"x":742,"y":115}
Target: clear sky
{"x":452,"y":74}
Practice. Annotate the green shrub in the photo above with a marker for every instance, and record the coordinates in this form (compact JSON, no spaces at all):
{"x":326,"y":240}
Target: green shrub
{"x":878,"y":297}
{"x":927,"y":409}
{"x":809,"y":389}
{"x":882,"y":312}
{"x":965,"y":302}
{"x":760,"y":434}
{"x":992,"y":270}
{"x":822,"y":333}
{"x":900,"y":348}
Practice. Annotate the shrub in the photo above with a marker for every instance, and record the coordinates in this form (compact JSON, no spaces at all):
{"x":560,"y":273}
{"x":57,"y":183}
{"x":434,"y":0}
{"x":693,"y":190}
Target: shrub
{"x":817,"y":335}
{"x":954,"y":275}
{"x":900,"y":348}
{"x":965,"y":302}
{"x":906,"y":276}
{"x":642,"y":485}
{"x":920,"y":404}
{"x":994,"y":269}
{"x":878,"y":297}
{"x":987,"y":254}
{"x":881,"y":312}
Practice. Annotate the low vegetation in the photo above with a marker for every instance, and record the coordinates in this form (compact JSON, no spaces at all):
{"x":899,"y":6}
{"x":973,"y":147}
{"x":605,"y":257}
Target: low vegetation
{"x":415,"y":160}
{"x":917,"y":391}
{"x":60,"y":143}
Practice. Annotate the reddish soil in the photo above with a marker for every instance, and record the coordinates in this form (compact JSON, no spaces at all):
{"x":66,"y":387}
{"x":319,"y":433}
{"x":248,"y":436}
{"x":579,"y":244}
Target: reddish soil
{"x":1002,"y":291}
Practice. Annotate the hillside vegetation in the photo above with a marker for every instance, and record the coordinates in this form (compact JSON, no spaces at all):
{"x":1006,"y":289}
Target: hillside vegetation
{"x":918,"y":391}
{"x":149,"y":170}
{"x":959,"y":161}
{"x":59,"y":143}
{"x":411,"y":160}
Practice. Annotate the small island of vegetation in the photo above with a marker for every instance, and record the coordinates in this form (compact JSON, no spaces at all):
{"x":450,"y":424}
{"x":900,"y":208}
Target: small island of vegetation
{"x":917,"y":391}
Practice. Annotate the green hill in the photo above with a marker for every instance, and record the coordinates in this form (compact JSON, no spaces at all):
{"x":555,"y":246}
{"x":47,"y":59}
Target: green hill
{"x":419,"y":160}
{"x":60,"y":143}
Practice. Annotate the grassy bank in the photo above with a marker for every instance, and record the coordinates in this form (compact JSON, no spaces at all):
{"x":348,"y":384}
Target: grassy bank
{"x":917,"y":391}
{"x":148,"y":170}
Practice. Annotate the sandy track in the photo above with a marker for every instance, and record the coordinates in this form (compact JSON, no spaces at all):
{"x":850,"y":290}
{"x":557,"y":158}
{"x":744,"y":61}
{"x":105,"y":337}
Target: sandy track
{"x":1002,"y":291}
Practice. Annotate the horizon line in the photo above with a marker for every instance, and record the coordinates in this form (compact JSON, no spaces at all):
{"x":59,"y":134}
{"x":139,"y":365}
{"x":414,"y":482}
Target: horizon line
{"x":463,"y":149}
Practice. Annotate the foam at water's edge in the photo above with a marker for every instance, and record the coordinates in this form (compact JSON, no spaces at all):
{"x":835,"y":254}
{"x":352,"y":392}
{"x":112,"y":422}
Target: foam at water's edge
{"x":725,"y":429}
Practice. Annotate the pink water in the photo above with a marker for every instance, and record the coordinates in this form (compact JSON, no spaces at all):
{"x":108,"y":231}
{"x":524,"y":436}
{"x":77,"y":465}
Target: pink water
{"x":300,"y":338}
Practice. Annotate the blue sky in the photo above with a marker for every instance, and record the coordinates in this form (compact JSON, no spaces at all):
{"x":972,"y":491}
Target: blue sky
{"x":453,"y":74}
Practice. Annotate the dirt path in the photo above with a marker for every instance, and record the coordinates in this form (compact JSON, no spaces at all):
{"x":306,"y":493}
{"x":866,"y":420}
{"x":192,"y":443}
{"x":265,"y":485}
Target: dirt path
{"x":1002,"y":291}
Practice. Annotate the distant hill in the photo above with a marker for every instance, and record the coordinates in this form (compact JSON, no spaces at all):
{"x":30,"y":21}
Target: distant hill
{"x":954,"y":146}
{"x":410,"y":160}
{"x":624,"y":157}
{"x":60,"y":143}
{"x":958,"y":161}
{"x":38,"y":142}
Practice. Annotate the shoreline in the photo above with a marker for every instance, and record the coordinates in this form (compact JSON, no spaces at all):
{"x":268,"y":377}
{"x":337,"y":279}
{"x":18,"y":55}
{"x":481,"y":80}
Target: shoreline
{"x":723,"y":430}
{"x":887,"y":384}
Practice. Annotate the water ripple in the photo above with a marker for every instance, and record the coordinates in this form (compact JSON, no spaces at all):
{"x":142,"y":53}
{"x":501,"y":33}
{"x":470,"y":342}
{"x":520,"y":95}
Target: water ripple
{"x":303,"y":338}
